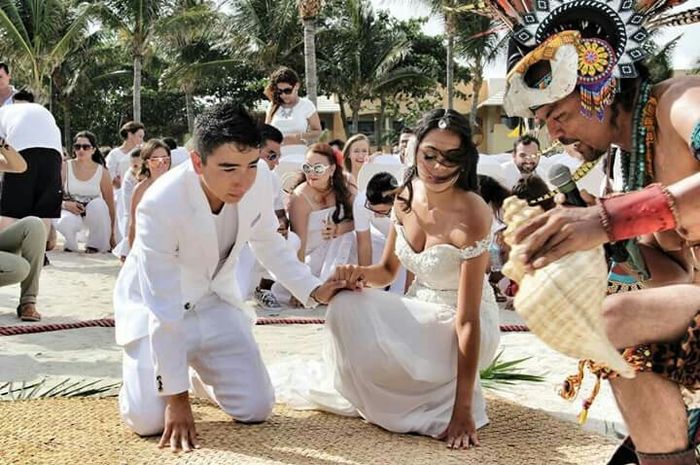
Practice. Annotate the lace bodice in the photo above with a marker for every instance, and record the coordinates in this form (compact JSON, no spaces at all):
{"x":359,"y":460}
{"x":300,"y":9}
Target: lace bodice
{"x":437,"y":268}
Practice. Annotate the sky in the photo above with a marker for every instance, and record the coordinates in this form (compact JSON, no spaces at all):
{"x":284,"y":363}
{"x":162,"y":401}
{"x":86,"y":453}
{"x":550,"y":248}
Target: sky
{"x":685,"y":55}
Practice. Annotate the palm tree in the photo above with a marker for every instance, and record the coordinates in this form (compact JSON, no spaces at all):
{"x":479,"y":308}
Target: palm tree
{"x":266,"y":33}
{"x":308,"y":11}
{"x":361,"y":57}
{"x":135,"y":23}
{"x":480,"y":45}
{"x":37,"y":37}
{"x":188,"y":50}
{"x":447,"y":11}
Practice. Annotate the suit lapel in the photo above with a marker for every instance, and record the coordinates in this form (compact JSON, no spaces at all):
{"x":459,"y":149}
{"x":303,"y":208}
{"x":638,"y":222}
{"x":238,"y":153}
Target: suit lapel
{"x":203,"y":223}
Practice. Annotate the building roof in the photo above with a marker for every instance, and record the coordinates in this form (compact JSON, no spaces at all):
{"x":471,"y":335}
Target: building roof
{"x":496,"y":91}
{"x":323,"y":104}
{"x":495,"y":100}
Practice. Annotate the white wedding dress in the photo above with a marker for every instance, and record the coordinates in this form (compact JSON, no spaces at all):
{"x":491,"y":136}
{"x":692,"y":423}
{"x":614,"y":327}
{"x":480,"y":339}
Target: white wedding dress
{"x":393,"y":359}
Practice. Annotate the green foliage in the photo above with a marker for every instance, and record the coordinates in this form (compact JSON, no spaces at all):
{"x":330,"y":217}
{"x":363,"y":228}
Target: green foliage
{"x":68,"y":387}
{"x":500,"y":375}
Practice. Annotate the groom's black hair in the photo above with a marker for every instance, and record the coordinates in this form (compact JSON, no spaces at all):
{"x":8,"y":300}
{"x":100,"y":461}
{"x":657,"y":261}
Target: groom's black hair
{"x":225,"y":123}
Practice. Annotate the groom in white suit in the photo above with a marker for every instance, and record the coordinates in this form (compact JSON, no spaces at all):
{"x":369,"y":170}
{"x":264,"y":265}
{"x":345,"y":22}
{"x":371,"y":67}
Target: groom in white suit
{"x":179,"y":314}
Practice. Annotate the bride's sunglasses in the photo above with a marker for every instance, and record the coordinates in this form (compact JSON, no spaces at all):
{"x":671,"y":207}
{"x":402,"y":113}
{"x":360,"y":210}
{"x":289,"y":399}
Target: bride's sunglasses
{"x":318,"y":168}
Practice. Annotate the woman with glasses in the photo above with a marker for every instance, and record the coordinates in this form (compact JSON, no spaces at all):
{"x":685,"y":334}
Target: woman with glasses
{"x":88,"y":198}
{"x":320,"y":212}
{"x":411,"y":363}
{"x":296,"y":117}
{"x":371,"y":212}
{"x":155,"y":161}
{"x":355,"y":155}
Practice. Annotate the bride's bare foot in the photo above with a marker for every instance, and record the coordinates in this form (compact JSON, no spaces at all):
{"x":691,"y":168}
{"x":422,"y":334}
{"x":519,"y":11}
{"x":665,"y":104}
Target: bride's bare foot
{"x":28,"y":312}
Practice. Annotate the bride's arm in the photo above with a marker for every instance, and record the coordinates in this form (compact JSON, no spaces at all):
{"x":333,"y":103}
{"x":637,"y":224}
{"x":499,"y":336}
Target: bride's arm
{"x":383,"y":273}
{"x":462,"y":429}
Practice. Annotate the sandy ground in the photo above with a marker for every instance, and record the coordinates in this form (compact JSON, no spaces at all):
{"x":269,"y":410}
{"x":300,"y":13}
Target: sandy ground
{"x":79,"y":287}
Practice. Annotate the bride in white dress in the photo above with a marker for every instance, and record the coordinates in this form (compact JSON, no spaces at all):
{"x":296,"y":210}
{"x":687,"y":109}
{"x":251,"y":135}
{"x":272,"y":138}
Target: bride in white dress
{"x":411,"y":364}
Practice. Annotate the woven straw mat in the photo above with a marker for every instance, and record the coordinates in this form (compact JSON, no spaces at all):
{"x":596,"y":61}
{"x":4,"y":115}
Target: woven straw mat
{"x":89,"y":432}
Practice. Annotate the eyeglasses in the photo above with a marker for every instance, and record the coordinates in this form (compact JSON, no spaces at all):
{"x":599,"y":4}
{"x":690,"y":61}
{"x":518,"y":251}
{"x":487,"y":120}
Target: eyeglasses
{"x":285,"y":91}
{"x":370,"y":207}
{"x":159,"y":159}
{"x":77,"y":147}
{"x":272,"y":156}
{"x":318,"y":168}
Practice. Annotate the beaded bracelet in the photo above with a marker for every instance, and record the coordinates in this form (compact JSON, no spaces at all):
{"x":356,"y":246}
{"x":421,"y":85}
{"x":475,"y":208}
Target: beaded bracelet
{"x":650,"y":210}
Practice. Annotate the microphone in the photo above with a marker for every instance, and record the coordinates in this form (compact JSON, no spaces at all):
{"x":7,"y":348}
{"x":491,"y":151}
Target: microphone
{"x":560,"y":177}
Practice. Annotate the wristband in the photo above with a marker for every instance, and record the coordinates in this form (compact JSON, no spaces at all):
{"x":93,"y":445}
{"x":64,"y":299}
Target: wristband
{"x":650,"y":210}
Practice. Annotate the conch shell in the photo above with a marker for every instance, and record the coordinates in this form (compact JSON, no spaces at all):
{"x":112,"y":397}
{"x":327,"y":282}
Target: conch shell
{"x":562,"y":302}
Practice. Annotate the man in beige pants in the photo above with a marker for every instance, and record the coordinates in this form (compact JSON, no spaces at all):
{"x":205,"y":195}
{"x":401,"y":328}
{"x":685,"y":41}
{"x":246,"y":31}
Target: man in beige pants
{"x":22,"y":246}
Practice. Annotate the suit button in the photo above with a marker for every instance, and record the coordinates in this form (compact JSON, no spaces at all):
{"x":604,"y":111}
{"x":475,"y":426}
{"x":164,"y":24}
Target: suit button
{"x":188,"y":306}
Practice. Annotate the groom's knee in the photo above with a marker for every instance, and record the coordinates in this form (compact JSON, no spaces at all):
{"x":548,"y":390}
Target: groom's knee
{"x":255,"y":407}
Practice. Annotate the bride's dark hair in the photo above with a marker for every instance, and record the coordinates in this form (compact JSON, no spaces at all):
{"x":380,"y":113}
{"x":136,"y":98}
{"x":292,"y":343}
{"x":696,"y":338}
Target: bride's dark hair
{"x":465,"y":157}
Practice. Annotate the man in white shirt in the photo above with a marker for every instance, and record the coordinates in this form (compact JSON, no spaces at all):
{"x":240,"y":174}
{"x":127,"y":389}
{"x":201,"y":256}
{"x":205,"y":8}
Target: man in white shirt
{"x":526,"y":161}
{"x":132,"y":134}
{"x":180,"y":316}
{"x":31,"y":130}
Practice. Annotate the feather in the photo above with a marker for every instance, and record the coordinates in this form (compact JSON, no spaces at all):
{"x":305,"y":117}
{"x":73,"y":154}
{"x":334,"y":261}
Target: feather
{"x":507,"y":8}
{"x":679,"y":19}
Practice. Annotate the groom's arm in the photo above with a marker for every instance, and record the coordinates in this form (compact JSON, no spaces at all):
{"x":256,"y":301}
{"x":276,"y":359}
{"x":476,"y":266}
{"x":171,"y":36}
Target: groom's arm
{"x":270,"y":248}
{"x":159,"y":278}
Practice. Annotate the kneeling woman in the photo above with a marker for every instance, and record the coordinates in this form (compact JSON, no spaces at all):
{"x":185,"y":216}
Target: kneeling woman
{"x":320,"y":212}
{"x":411,"y":364}
{"x":89,"y":198}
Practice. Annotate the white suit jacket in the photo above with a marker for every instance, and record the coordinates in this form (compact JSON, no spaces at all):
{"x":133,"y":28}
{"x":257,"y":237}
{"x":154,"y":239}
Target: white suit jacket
{"x":175,"y":255}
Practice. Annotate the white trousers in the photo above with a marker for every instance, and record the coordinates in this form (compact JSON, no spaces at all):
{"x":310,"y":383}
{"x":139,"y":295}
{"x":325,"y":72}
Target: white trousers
{"x":225,"y":366}
{"x":96,"y":221}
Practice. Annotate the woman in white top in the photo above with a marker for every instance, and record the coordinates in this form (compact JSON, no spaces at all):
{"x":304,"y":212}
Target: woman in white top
{"x":295,"y":117}
{"x":89,"y":198}
{"x":355,"y":154}
{"x":155,"y":161}
{"x":132,"y":176}
{"x":320,"y":212}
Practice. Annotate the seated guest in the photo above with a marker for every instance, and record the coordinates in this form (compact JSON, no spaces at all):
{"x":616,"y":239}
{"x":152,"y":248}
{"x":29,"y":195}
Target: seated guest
{"x":495,"y":193}
{"x":371,"y":213}
{"x":320,"y":212}
{"x":270,"y":151}
{"x":88,"y":199}
{"x":355,"y":154}
{"x":532,"y":189}
{"x":178,"y":154}
{"x":155,"y":161}
{"x":22,"y":246}
{"x":131,"y":179}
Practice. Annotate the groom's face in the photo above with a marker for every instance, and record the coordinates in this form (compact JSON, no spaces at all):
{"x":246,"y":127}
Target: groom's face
{"x":229,"y":171}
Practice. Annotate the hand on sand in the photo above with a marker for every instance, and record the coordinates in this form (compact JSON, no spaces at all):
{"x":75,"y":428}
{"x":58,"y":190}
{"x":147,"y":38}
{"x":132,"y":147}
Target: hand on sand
{"x":179,"y":429}
{"x":559,"y":232}
{"x":461,"y":431}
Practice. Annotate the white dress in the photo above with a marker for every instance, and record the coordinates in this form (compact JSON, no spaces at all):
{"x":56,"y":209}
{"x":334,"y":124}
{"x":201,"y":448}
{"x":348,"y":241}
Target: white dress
{"x":394,"y":359}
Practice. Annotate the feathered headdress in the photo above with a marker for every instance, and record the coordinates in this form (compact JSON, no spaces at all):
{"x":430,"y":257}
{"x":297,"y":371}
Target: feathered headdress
{"x":586,"y":43}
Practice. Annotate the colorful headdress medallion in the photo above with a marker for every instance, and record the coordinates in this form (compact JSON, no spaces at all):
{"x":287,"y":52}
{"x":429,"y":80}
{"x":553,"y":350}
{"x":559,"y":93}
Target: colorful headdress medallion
{"x":589,"y":44}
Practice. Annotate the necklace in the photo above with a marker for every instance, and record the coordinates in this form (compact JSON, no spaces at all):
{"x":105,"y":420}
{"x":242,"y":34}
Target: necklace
{"x":286,"y":112}
{"x":637,"y":166}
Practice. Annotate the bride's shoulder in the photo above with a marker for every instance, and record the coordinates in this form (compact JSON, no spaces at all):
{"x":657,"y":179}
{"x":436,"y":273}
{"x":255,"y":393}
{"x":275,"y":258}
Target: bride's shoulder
{"x":475,"y":217}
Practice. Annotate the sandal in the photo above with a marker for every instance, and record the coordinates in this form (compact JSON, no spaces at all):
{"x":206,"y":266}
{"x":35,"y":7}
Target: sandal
{"x":91,"y":250}
{"x":26,"y":313}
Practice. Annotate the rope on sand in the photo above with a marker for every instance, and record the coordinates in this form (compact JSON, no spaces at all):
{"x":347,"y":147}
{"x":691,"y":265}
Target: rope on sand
{"x":109,"y":323}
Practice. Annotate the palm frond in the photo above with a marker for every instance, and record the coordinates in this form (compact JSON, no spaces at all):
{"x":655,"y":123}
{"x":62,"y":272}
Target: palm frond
{"x":68,"y":387}
{"x":500,"y":374}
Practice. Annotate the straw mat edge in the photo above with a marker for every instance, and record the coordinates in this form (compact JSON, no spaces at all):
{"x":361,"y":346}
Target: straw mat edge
{"x":89,"y":432}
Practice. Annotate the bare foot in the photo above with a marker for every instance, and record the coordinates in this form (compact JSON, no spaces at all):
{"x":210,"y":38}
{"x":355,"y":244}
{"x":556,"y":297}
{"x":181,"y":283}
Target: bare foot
{"x":27,"y":312}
